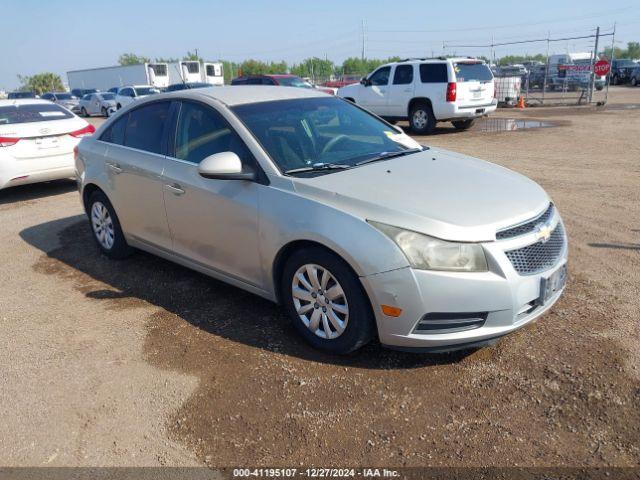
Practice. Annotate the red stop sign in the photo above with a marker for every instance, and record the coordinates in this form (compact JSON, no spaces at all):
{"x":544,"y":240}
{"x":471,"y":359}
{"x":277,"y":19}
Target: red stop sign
{"x":601,"y":68}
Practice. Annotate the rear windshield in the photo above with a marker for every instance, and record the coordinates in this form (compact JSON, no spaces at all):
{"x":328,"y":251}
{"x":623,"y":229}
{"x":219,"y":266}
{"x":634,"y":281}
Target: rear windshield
{"x":32,"y":113}
{"x":293,"y":82}
{"x":468,"y":72}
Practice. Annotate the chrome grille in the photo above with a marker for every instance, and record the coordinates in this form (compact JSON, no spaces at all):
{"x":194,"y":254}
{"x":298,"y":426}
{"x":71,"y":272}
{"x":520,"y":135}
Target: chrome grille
{"x":527,"y":227}
{"x":539,"y":256}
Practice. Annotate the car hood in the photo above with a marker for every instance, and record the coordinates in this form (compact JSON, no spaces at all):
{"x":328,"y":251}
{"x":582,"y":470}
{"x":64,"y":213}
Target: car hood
{"x":348,"y":90}
{"x":435,"y":192}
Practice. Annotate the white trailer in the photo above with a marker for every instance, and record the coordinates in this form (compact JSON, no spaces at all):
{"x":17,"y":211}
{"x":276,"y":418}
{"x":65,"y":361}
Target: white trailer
{"x":194,"y":71}
{"x":213,"y":73}
{"x":185,"y":71}
{"x":155,"y":74}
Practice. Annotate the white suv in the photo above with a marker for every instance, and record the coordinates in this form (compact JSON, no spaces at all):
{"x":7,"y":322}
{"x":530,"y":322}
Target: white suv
{"x":427,"y":91}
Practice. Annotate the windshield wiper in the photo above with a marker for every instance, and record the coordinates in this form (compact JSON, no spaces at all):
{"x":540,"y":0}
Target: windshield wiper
{"x":316,"y":167}
{"x":387,"y":155}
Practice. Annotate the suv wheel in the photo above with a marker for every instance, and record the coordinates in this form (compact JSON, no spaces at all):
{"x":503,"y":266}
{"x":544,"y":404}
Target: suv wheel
{"x":634,"y":81}
{"x":616,"y":81}
{"x":464,"y":124}
{"x":326,"y":302}
{"x":421,"y":119}
{"x":106,"y":227}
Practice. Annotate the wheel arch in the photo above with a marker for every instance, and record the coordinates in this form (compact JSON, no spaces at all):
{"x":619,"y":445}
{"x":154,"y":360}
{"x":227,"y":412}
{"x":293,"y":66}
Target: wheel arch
{"x":88,"y":190}
{"x":417,"y":100}
{"x":289,"y":249}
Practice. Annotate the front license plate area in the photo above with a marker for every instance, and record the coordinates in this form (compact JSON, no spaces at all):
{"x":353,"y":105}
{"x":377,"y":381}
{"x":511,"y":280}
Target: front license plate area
{"x":552,"y":285}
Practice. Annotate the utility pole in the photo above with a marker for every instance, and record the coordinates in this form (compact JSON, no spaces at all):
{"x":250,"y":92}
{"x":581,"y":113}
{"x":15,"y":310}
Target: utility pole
{"x":593,"y":63}
{"x":613,"y":55}
{"x":363,"y":42}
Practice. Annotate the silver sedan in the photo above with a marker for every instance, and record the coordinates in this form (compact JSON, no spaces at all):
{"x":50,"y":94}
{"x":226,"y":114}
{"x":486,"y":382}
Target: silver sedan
{"x":310,"y":201}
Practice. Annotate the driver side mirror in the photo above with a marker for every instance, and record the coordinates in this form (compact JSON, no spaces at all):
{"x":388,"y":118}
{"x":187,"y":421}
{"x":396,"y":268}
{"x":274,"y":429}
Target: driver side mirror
{"x":365,"y":82}
{"x":224,"y":166}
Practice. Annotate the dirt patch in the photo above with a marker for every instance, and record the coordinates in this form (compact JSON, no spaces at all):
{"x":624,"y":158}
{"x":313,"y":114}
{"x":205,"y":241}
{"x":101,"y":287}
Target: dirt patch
{"x":555,"y":393}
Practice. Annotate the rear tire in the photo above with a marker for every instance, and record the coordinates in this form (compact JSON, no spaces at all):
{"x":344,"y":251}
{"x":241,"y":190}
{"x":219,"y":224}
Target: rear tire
{"x":616,"y":81}
{"x":634,"y":82}
{"x":106,"y":227}
{"x":421,"y":119}
{"x":464,"y":124}
{"x":345,"y":310}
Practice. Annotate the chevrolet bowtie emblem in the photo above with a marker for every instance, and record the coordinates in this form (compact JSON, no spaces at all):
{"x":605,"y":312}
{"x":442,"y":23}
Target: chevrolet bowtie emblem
{"x":543,"y":232}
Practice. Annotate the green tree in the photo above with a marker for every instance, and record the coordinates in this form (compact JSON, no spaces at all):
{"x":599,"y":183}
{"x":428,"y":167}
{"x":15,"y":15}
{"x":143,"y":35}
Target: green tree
{"x":632,"y":51}
{"x":166,"y":60}
{"x":132,"y":59}
{"x":511,"y":59}
{"x":41,"y":82}
{"x":192,"y":57}
{"x":258,"y":67}
{"x":317,"y":69}
{"x":359,"y":66}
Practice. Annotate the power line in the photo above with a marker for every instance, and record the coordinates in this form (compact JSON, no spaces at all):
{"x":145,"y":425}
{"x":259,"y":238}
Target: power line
{"x":537,"y":40}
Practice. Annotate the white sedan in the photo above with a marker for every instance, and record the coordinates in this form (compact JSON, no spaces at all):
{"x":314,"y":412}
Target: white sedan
{"x":37,"y":141}
{"x":100,"y":103}
{"x":129,"y":94}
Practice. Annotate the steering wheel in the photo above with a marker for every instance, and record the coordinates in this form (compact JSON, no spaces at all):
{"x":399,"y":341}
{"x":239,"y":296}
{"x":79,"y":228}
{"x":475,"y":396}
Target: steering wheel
{"x":333,"y":142}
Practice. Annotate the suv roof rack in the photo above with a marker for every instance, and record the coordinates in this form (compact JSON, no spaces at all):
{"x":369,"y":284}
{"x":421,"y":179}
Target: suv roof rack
{"x":422,"y":58}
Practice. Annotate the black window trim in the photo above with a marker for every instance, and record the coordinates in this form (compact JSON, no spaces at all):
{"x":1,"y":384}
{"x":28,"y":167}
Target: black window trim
{"x":126,"y":116}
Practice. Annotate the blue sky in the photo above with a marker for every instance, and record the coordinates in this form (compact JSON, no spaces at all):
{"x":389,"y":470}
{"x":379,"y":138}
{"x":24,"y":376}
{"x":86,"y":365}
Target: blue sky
{"x":59,"y":35}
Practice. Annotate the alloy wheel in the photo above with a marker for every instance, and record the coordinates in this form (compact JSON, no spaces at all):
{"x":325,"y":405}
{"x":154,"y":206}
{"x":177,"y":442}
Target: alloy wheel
{"x":320,"y":301}
{"x":420,"y":119}
{"x":102,"y":225}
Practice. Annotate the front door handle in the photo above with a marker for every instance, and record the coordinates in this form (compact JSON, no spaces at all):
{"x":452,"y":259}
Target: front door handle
{"x":114,"y":167}
{"x":175,"y":189}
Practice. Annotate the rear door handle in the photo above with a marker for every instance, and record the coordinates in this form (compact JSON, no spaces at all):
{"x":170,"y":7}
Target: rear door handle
{"x":408,"y":90}
{"x":114,"y":167}
{"x":175,"y":189}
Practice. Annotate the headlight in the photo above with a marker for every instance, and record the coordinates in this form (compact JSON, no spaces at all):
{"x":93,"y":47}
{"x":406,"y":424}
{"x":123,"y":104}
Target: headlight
{"x":428,"y":253}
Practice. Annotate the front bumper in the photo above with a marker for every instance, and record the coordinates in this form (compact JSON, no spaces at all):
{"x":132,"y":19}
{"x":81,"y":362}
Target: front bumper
{"x":507,"y":299}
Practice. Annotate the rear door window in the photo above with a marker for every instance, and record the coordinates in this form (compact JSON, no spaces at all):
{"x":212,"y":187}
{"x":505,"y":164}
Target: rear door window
{"x":32,"y":113}
{"x":434,"y":73}
{"x":403,"y":75}
{"x":146,"y":126}
{"x":472,"y":71}
{"x":115,"y":133}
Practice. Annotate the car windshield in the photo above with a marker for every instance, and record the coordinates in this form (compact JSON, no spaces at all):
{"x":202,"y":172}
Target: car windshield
{"x":108,"y":96}
{"x":32,"y":113}
{"x":309,"y":132}
{"x":293,"y":82}
{"x":147,"y":90}
{"x":470,"y":71}
{"x":65,"y":96}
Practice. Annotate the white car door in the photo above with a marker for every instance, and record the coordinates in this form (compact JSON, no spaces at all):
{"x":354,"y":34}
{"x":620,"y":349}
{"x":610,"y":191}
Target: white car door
{"x":374,"y":94}
{"x":96,"y":101}
{"x":400,"y":91}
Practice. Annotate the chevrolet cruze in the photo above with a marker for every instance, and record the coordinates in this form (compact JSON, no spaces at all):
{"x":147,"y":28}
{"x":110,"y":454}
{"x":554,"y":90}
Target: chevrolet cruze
{"x":310,"y":201}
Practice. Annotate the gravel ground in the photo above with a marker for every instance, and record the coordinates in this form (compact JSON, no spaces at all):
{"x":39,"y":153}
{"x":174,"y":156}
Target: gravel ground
{"x":142,"y":362}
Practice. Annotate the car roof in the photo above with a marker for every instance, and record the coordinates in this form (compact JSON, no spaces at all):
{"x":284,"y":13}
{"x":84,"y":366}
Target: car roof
{"x":24,"y":101}
{"x":243,"y":94}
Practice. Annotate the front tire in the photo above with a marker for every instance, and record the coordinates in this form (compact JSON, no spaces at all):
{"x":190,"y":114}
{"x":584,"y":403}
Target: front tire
{"x":421,"y":119}
{"x":105,"y":112}
{"x":83,"y":112}
{"x":118,"y":107}
{"x":634,"y":82}
{"x":464,"y":124}
{"x":326,"y":302}
{"x":106,"y":227}
{"x":616,"y":80}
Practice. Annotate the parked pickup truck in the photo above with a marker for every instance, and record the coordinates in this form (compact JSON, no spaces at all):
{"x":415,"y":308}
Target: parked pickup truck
{"x":427,"y":91}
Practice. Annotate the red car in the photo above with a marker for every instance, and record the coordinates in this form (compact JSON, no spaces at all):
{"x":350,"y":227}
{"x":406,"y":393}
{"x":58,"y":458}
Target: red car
{"x":284,"y":80}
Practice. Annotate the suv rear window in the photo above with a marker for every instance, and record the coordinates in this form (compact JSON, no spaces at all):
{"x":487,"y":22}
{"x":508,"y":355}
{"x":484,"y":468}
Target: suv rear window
{"x":433,"y":73}
{"x":32,"y":113}
{"x":470,"y":71}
